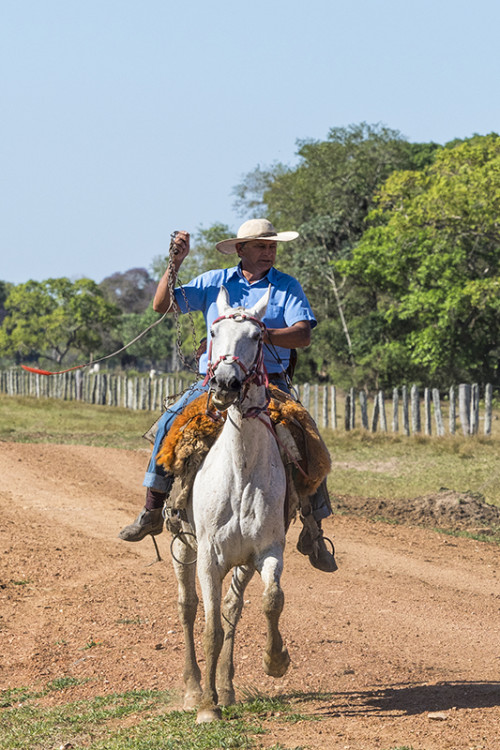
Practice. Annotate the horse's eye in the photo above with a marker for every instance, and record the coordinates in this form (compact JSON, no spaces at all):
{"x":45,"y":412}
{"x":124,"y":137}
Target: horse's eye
{"x":212,"y":334}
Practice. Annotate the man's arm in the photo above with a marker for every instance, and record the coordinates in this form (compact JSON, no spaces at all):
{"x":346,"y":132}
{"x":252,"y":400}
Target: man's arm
{"x":162,"y":302}
{"x":294,"y":337}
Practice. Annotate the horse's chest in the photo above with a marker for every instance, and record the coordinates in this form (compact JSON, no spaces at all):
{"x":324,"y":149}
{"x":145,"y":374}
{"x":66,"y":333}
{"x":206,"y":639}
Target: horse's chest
{"x":239,"y":492}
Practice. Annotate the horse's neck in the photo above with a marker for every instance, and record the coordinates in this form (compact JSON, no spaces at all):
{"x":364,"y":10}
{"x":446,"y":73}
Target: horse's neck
{"x":255,"y":398}
{"x":247,"y":437}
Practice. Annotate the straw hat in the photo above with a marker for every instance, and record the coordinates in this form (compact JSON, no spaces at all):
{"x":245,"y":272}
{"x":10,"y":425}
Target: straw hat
{"x":255,"y":229}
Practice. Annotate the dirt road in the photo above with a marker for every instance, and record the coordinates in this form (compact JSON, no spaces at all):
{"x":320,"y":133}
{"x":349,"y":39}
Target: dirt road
{"x":400,"y":647}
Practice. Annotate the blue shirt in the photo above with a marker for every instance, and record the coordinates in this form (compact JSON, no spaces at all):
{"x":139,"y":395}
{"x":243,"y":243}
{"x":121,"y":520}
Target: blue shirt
{"x":287,"y":304}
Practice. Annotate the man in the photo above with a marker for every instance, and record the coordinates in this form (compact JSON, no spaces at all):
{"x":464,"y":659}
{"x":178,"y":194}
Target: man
{"x":288,"y":319}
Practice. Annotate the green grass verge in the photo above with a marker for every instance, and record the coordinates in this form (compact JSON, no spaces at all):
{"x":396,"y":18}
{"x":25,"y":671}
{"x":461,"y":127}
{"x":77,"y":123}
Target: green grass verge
{"x":32,"y":420}
{"x":136,"y":720}
{"x":386,"y":466}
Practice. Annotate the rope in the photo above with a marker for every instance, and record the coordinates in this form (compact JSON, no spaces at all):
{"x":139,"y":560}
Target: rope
{"x":101,"y":359}
{"x":172,"y":305}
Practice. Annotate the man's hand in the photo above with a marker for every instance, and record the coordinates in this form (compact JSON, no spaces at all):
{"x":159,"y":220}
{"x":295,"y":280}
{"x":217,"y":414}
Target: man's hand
{"x":180,"y":247}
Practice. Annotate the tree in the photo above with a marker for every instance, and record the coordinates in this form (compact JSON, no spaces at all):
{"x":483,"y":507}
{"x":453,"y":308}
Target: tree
{"x":327,"y":197}
{"x":430,"y":263}
{"x":5,"y":288}
{"x":56,"y":318}
{"x":131,"y":291}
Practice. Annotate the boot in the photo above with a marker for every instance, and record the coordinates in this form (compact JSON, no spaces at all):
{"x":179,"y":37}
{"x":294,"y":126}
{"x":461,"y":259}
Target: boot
{"x":149,"y":520}
{"x":312,"y":543}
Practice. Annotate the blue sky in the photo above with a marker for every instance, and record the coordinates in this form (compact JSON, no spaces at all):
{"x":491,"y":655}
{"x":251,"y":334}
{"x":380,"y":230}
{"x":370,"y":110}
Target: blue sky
{"x":123,"y":120}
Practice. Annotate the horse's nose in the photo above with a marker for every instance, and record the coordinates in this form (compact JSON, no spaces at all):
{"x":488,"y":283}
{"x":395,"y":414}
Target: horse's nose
{"x":234,"y":384}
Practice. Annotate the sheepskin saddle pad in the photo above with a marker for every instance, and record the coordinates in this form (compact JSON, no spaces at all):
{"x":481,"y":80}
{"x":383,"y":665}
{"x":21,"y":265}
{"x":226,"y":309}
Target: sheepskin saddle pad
{"x":193,"y":433}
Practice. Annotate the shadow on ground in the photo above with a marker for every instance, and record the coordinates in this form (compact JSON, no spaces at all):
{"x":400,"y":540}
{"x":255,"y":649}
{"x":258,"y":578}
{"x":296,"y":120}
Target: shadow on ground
{"x":406,"y":699}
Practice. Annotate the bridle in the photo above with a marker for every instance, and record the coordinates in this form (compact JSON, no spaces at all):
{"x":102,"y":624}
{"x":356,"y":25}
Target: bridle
{"x":255,"y":374}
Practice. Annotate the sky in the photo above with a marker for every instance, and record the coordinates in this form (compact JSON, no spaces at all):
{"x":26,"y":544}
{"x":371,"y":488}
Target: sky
{"x":123,"y":120}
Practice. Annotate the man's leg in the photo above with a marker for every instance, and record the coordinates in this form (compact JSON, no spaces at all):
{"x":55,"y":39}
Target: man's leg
{"x":311,"y":541}
{"x":156,"y":479}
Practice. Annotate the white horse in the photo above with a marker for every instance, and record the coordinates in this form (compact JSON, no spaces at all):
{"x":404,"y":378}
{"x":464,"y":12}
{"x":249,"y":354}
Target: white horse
{"x":236,"y":514}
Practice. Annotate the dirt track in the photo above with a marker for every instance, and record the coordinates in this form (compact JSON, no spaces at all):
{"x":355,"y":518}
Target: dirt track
{"x":403,"y":641}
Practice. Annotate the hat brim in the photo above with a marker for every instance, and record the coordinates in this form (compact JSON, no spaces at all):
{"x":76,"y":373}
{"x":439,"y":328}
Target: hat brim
{"x":227,"y":247}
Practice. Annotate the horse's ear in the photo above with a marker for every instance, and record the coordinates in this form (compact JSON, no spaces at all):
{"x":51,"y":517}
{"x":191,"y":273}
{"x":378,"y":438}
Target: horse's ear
{"x":259,"y":309}
{"x":223,"y":301}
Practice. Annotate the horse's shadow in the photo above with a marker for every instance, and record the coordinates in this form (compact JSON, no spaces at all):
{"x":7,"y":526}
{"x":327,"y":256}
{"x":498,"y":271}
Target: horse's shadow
{"x":405,"y":699}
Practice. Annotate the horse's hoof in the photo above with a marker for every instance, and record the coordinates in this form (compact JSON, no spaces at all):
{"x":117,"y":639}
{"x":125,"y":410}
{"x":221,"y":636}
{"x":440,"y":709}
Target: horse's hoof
{"x":208,"y":714}
{"x":191,"y":700}
{"x":227,"y":697}
{"x":275,"y":665}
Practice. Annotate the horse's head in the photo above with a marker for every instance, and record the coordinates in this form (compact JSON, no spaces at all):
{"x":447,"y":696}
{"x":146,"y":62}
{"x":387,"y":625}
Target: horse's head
{"x":235,"y":354}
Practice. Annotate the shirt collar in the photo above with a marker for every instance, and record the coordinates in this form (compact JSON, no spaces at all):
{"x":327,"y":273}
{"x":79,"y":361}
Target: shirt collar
{"x":270,"y":276}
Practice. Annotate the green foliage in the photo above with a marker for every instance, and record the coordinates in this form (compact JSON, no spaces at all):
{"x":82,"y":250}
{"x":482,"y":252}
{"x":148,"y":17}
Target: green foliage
{"x":5,"y":288}
{"x":430,"y":265}
{"x":155,"y":349}
{"x":55,"y":318}
{"x":327,"y":197}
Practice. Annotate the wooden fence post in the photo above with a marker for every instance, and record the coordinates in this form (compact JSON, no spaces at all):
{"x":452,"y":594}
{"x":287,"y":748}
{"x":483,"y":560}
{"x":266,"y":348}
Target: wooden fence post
{"x":333,"y":392}
{"x":352,"y":409}
{"x":363,"y":403}
{"x":474,"y":409}
{"x":406,"y":419}
{"x":415,"y":409}
{"x":376,"y":408}
{"x":427,"y":412}
{"x":452,"y":417}
{"x":347,"y":412}
{"x":464,"y":393}
{"x":324,"y":416}
{"x":316,"y":403}
{"x":395,"y":410}
{"x":488,"y":397}
{"x":437,"y":412}
{"x":382,"y":414}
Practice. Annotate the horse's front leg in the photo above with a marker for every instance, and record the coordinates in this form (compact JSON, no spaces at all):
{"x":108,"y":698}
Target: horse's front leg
{"x":210,"y":578}
{"x":276,"y":658}
{"x":231,"y":613}
{"x":187,"y":604}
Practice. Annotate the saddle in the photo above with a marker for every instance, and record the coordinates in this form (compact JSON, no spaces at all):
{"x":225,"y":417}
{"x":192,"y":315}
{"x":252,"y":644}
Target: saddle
{"x":305,"y":456}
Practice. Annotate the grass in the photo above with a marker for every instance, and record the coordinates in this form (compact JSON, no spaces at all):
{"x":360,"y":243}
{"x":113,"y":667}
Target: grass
{"x":32,"y":420}
{"x":387,"y":466}
{"x":137,"y":720}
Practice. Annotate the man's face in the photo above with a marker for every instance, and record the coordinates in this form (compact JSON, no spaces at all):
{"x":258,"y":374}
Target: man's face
{"x":257,"y":256}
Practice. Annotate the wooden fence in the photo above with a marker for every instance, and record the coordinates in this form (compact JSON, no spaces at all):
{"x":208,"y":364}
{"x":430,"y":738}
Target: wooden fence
{"x":410,"y":410}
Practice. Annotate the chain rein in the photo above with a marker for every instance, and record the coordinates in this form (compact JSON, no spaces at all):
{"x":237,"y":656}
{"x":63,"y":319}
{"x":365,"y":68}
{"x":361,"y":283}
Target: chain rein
{"x":172,"y":276}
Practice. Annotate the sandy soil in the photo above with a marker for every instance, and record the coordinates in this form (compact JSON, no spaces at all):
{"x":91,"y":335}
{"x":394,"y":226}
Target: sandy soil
{"x":400,"y":647}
